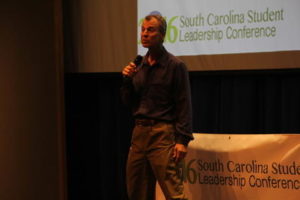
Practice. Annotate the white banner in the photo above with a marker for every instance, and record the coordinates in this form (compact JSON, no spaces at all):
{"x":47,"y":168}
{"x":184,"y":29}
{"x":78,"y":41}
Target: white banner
{"x":197,"y":27}
{"x":241,"y":167}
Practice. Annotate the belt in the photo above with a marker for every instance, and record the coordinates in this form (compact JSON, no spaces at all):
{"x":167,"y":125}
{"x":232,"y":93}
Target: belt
{"x":146,"y":122}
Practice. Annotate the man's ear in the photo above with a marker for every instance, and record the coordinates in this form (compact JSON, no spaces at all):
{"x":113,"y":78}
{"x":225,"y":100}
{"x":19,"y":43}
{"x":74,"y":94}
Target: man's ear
{"x":163,"y":37}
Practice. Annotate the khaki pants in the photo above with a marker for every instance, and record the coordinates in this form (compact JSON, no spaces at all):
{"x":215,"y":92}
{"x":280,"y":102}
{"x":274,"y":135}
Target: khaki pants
{"x":150,"y":159}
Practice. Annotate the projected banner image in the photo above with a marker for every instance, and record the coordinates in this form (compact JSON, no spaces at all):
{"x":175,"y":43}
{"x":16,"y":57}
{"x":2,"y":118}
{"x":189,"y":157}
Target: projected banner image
{"x":212,"y":27}
{"x":238,"y":166}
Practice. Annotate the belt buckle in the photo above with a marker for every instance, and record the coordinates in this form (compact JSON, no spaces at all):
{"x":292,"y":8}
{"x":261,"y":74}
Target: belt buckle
{"x":145,"y":122}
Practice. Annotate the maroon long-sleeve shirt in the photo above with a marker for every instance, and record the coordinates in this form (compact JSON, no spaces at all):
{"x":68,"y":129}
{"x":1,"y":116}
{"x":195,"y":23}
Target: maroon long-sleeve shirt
{"x":162,"y":92}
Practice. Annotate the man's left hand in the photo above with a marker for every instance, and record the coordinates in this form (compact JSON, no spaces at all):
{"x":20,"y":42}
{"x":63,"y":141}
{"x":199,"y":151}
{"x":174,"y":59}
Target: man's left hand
{"x":179,"y":152}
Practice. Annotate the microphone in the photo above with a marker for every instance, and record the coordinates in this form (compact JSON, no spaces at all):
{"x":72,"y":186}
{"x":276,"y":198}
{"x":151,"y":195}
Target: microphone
{"x":137,"y":61}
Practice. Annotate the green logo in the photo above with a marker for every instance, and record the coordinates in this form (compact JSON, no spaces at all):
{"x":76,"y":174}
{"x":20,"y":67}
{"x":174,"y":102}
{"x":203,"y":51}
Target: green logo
{"x":187,"y":173}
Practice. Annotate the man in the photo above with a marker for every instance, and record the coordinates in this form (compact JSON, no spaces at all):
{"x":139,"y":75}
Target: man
{"x":159,"y":93}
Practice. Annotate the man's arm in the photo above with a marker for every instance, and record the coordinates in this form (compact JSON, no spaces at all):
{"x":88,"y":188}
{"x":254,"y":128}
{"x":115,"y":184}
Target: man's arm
{"x":183,"y":123}
{"x":127,"y":87}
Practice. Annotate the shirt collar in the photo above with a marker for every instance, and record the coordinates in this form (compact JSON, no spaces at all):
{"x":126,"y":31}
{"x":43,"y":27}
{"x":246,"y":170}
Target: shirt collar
{"x":161,"y":60}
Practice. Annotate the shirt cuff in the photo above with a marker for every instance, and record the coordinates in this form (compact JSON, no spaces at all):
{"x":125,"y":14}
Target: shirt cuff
{"x":181,"y":139}
{"x":127,"y":80}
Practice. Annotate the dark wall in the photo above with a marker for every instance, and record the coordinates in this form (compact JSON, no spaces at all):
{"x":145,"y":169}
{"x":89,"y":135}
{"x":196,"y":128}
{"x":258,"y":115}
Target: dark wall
{"x":31,"y":112}
{"x":246,"y":101}
{"x":98,"y":134}
{"x":99,"y":127}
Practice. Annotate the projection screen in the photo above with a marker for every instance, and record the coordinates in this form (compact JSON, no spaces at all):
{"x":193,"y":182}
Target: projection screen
{"x":208,"y":35}
{"x":229,"y":34}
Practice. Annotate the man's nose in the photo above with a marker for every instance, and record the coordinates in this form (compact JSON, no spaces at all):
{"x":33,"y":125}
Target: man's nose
{"x":144,"y":34}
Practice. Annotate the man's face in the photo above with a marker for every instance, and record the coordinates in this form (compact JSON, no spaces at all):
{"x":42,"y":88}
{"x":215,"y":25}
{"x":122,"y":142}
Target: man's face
{"x":150,"y":35}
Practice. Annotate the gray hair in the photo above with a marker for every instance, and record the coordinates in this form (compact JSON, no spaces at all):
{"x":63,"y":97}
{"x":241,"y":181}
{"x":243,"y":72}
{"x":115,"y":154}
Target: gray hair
{"x":161,"y":20}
